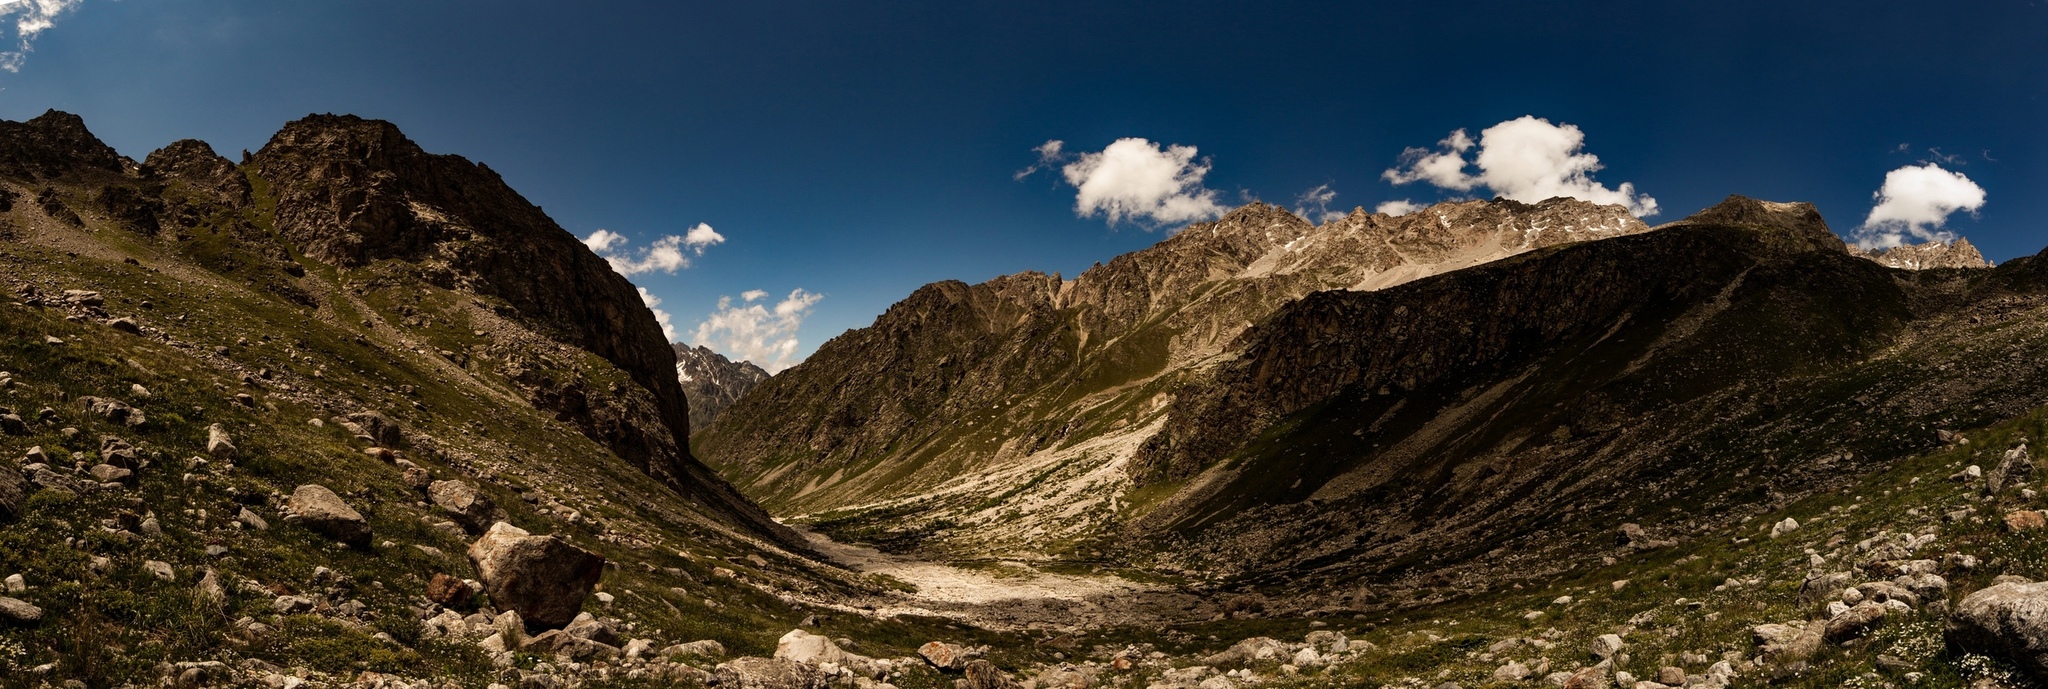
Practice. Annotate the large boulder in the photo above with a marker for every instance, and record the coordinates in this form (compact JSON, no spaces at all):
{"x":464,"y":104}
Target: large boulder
{"x":807,"y":648}
{"x":768,"y":673}
{"x":2009,"y":620}
{"x":323,"y":511}
{"x":544,"y":578}
{"x":465,"y":504}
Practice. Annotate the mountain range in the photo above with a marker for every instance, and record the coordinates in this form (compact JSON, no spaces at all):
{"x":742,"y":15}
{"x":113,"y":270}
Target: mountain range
{"x":349,"y":413}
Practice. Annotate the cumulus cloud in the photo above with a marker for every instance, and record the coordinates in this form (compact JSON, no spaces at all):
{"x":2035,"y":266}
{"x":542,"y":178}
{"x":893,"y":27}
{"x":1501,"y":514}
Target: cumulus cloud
{"x":1916,"y":201}
{"x":1398,"y":207}
{"x":1134,"y":180}
{"x":666,"y":255}
{"x":757,"y":332}
{"x":668,"y":326}
{"x":1527,"y":159}
{"x":31,"y":19}
{"x":603,"y":240}
{"x":702,"y":236}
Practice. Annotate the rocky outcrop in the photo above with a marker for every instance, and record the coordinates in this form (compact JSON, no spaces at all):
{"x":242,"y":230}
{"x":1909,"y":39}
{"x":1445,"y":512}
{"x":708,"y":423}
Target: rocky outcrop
{"x":543,"y":578}
{"x":54,"y":144}
{"x":1928,"y":255}
{"x":712,"y":382}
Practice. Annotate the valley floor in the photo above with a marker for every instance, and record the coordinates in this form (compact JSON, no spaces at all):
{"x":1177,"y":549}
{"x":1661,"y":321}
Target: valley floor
{"x":1012,"y":595}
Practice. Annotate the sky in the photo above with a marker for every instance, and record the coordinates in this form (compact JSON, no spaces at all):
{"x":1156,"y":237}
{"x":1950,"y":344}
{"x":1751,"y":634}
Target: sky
{"x":774,"y":173}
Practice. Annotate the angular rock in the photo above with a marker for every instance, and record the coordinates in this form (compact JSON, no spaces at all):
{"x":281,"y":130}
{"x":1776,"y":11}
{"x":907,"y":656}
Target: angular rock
{"x":323,"y":511}
{"x":586,"y":626}
{"x":13,"y":425}
{"x":450,"y":592}
{"x":1857,"y":620}
{"x":566,"y":646}
{"x":119,"y":453}
{"x":768,"y":673}
{"x":252,"y":520}
{"x":1606,"y":645}
{"x":543,"y":578}
{"x":943,"y":655}
{"x":465,"y":504}
{"x":380,"y":428}
{"x":114,"y":411}
{"x":218,"y":444}
{"x":2014,"y":468}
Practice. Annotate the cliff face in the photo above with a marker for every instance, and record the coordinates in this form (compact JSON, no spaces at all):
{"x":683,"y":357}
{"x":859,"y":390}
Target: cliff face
{"x":712,"y":382}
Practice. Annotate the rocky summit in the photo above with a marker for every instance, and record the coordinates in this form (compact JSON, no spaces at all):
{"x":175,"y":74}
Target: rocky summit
{"x":712,"y":382}
{"x":347,"y":413}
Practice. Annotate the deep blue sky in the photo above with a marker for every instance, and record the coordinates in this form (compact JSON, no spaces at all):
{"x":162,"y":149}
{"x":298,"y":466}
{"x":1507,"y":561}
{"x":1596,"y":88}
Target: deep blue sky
{"x":859,"y":150}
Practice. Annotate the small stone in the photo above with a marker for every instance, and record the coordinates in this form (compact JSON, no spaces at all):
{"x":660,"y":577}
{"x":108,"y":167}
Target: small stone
{"x":943,"y":655}
{"x":15,"y":584}
{"x":1781,"y":528}
{"x":450,"y":592}
{"x":1855,"y":621}
{"x":251,"y":520}
{"x":108,"y":473}
{"x":218,"y":444}
{"x":159,"y":569}
{"x":1606,"y":645}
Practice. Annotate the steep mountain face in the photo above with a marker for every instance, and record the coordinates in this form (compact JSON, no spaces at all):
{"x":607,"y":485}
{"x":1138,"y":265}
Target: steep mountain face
{"x":433,"y":249}
{"x":1500,"y":417}
{"x":1023,"y":374}
{"x":712,"y":382}
{"x":1934,"y":254}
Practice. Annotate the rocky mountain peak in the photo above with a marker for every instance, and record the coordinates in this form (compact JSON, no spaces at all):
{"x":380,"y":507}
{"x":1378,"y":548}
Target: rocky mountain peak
{"x":713,"y":382}
{"x":51,"y":145}
{"x":1933,"y":254}
{"x":1801,"y":220}
{"x":195,"y":163}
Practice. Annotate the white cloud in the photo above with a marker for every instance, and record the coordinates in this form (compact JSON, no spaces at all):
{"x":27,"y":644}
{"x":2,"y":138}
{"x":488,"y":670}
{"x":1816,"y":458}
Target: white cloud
{"x":1527,"y":159}
{"x":1916,"y":201}
{"x":757,"y":332}
{"x":1049,"y":156}
{"x":1133,"y":179}
{"x":665,"y":255}
{"x":1398,"y":207}
{"x":668,"y":327}
{"x":702,"y":236}
{"x":603,"y":240}
{"x":31,"y":18}
{"x":1314,"y":204}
